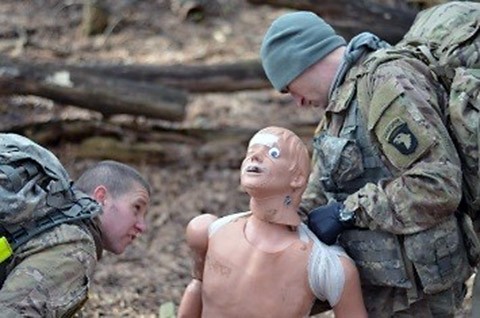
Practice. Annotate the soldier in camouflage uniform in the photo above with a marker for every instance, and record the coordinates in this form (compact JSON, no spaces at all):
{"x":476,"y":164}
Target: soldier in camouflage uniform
{"x":50,"y":275}
{"x":386,"y":179}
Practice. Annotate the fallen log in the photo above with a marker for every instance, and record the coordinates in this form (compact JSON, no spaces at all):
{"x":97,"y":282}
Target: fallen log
{"x":150,"y":143}
{"x":388,"y":19}
{"x":107,"y":95}
{"x":225,"y":77}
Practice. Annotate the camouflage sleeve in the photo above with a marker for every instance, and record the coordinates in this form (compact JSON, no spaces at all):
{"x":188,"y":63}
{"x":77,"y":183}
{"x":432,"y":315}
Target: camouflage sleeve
{"x":52,"y":275}
{"x":314,"y":194}
{"x":405,"y":119}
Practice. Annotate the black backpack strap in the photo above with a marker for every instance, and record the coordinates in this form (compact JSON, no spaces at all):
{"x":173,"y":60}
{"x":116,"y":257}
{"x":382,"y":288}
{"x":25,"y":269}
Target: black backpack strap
{"x":3,"y":273}
{"x":18,"y":234}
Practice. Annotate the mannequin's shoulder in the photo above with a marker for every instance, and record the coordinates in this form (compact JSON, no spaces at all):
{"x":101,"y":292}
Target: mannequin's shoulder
{"x":197,"y":230}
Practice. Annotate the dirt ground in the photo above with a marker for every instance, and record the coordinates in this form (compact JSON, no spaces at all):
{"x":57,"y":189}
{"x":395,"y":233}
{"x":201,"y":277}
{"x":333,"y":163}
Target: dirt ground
{"x":155,"y":270}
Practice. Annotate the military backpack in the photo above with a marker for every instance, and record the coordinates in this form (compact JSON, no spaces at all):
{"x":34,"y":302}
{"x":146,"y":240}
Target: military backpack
{"x":36,"y":194}
{"x":447,"y":37}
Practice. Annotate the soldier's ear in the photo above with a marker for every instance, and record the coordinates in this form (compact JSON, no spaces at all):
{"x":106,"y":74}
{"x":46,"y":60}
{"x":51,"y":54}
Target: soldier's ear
{"x":100,"y":194}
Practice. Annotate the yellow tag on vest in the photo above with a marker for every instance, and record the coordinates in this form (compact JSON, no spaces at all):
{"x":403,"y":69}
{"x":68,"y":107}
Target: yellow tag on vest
{"x":5,"y":249}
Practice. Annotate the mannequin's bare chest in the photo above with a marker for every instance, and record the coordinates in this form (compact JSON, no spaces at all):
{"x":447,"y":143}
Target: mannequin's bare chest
{"x":240,"y":278}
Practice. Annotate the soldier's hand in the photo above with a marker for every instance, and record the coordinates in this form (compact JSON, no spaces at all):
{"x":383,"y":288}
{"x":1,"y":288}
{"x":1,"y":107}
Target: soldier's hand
{"x":325,"y":222}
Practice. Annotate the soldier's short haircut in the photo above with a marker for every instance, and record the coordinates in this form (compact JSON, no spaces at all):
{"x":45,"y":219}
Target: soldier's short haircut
{"x":115,"y":176}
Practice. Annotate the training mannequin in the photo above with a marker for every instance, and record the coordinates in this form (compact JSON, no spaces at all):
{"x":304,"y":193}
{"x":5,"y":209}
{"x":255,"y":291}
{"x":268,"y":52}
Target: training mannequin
{"x":265,"y":262}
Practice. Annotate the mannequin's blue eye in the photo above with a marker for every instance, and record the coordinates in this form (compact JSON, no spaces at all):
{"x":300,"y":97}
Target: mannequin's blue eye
{"x":274,"y":152}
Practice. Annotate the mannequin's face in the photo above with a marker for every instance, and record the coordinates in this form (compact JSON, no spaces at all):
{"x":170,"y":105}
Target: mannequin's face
{"x":266,"y":167}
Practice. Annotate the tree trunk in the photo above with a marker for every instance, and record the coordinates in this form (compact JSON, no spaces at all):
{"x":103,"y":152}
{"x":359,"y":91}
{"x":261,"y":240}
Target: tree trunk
{"x":388,"y":19}
{"x":107,"y":95}
{"x":149,"y":143}
{"x":228,"y":77}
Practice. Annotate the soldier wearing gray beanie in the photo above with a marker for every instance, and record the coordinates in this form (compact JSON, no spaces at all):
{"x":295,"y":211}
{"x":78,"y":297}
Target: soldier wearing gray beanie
{"x":293,"y":43}
{"x":379,"y":142}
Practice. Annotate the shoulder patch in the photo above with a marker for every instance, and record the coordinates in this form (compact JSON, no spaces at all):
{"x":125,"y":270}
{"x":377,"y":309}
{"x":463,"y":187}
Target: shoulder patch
{"x":403,"y":139}
{"x":398,"y":134}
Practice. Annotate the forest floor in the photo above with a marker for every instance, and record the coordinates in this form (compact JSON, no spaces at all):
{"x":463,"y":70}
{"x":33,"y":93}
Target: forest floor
{"x":155,"y":270}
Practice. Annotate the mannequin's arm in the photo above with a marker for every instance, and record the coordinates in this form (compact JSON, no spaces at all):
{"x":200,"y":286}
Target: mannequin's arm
{"x":197,"y":240}
{"x":351,"y":302}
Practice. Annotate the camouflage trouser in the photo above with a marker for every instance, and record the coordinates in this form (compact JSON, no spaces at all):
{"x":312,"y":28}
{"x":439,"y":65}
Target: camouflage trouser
{"x":383,"y":302}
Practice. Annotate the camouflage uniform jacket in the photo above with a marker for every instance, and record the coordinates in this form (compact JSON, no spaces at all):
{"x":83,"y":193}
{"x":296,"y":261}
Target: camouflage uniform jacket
{"x":384,"y":151}
{"x":50,"y":274}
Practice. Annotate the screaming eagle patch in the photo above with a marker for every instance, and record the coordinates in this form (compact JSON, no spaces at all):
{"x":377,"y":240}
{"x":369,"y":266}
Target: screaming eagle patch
{"x":401,"y":137}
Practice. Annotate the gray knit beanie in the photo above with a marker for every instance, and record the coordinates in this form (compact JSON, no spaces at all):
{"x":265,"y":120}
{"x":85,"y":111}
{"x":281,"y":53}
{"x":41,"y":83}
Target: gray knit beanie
{"x":293,"y":43}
